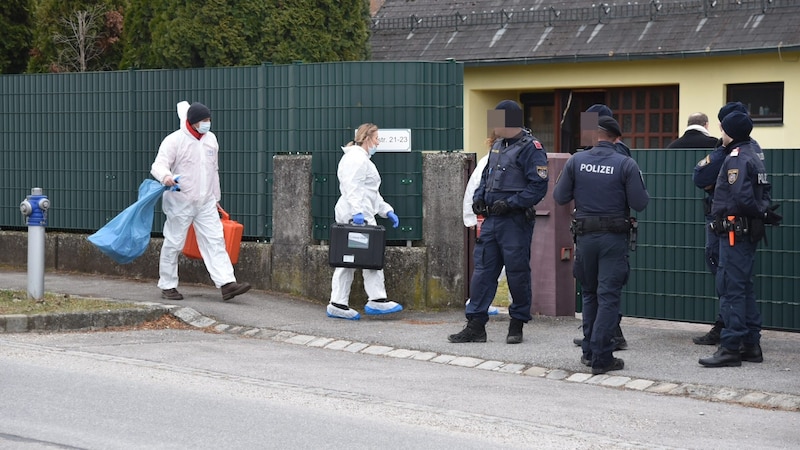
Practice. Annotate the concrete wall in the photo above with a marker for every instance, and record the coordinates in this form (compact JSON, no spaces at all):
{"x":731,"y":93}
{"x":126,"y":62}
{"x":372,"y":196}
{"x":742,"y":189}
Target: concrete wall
{"x":429,"y":275}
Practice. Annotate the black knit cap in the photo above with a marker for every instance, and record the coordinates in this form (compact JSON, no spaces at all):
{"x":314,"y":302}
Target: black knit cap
{"x":737,"y":125}
{"x":601,"y":110}
{"x":731,"y":107}
{"x":198,"y":112}
{"x":609,"y":124}
{"x":513,"y":113}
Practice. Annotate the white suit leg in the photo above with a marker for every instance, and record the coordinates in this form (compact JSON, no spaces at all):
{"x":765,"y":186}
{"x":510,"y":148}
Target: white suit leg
{"x":211,"y":242}
{"x":341,"y":282}
{"x":374,"y":284}
{"x":175,"y":229}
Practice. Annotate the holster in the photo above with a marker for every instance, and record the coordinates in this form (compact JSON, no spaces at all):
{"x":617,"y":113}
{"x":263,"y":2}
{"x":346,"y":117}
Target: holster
{"x":707,"y":205}
{"x":601,"y":225}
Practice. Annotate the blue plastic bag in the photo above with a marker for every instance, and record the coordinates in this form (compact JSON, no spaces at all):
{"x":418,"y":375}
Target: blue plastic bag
{"x":127,"y":235}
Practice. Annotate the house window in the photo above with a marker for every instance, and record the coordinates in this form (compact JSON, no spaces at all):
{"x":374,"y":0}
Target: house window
{"x":763,"y":100}
{"x":648,"y":115}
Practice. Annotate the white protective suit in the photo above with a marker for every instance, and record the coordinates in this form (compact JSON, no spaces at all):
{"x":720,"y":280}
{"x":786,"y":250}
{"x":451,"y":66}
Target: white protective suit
{"x":470,"y":219}
{"x":195,"y":162}
{"x":359,"y":184}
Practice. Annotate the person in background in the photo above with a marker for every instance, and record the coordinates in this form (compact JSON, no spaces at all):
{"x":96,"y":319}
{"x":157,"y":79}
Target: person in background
{"x":514,"y":181}
{"x":359,"y":202}
{"x":188,"y":158}
{"x":740,"y":209}
{"x":605,"y":185}
{"x":696,"y":134}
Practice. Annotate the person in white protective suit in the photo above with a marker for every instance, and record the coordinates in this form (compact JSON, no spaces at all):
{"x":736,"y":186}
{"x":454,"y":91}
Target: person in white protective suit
{"x":360,"y":201}
{"x":188,"y":158}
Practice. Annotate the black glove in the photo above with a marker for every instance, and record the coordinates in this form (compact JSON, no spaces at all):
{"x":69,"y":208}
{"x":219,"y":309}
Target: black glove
{"x":771,"y":217}
{"x":530,"y":214}
{"x":499,"y":208}
{"x":479,"y":207}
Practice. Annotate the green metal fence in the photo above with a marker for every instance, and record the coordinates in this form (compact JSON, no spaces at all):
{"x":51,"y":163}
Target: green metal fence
{"x":89,"y":139}
{"x":669,"y":279}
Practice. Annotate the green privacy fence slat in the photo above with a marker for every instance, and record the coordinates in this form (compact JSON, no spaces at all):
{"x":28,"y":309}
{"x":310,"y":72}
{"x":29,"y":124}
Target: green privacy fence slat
{"x":669,"y":279}
{"x":88,"y":139}
{"x":401,"y":187}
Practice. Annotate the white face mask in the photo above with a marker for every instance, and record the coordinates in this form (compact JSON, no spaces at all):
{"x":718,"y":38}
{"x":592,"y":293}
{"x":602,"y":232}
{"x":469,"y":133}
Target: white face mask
{"x":372,"y":150}
{"x":204,"y":127}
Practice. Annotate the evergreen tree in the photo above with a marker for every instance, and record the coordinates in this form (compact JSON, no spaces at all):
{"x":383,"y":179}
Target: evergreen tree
{"x":179,"y":34}
{"x":15,"y":21}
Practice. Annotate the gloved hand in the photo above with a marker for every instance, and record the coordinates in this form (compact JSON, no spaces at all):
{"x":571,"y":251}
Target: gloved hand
{"x":358,"y":219}
{"x":499,"y":208}
{"x":771,"y":217}
{"x":393,"y":217}
{"x":479,"y":207}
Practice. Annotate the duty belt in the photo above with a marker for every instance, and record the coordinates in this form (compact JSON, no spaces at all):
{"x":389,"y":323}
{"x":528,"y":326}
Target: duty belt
{"x":601,"y":225}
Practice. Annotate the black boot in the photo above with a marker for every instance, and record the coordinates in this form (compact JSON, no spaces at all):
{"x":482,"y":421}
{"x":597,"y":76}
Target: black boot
{"x":723,"y":358}
{"x":619,"y":340}
{"x":514,"y":331}
{"x":752,"y":353}
{"x":473,"y":332}
{"x":712,"y":337}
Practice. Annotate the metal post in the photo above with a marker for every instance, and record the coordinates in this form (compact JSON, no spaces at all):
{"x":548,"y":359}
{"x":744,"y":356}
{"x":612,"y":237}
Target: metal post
{"x":34,"y":209}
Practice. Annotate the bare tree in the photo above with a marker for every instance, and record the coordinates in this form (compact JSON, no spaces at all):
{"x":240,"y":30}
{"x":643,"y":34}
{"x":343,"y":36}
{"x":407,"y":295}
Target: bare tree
{"x":82,"y":42}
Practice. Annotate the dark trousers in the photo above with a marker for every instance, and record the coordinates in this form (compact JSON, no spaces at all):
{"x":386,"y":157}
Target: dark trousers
{"x":737,"y":294}
{"x":601,"y":266}
{"x":712,"y":255}
{"x":504,"y":241}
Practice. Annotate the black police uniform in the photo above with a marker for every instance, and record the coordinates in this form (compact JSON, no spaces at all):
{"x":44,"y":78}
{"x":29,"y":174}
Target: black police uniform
{"x":516,"y":175}
{"x":742,"y":191}
{"x":604,"y":185}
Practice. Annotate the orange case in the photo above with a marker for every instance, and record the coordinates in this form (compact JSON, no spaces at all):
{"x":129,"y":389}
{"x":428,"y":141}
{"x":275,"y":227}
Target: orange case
{"x":233,"y":231}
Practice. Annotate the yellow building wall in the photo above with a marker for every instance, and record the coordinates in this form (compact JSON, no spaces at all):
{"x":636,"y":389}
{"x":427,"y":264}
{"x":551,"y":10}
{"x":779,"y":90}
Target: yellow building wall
{"x":701,"y":87}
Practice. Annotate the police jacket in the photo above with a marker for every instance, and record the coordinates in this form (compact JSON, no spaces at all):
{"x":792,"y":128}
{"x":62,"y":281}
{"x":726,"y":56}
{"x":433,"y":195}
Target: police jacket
{"x":707,"y":169}
{"x":742,"y":187}
{"x":515,"y":172}
{"x":602,"y":182}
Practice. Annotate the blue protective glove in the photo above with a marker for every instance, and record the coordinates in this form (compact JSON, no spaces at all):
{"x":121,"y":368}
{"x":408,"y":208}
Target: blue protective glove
{"x":358,"y":219}
{"x":393,"y":217}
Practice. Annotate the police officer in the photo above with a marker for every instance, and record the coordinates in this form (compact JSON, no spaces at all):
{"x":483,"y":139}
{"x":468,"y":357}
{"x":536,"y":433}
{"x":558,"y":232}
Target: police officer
{"x":604,"y":185}
{"x":740,"y":210}
{"x":514,"y":180}
{"x":705,"y":177}
{"x":620,"y":343}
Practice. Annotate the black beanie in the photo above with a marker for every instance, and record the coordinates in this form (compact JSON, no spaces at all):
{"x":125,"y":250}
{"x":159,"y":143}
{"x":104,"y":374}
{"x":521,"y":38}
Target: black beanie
{"x":609,"y":124}
{"x":513,"y":113}
{"x":197,"y":112}
{"x":601,"y":110}
{"x":737,"y":125}
{"x":729,"y":108}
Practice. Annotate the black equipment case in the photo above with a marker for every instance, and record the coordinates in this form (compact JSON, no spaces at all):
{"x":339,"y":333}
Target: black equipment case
{"x":357,"y":246}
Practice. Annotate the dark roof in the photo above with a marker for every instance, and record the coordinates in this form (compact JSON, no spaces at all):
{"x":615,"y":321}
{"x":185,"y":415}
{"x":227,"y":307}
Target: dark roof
{"x":509,"y":32}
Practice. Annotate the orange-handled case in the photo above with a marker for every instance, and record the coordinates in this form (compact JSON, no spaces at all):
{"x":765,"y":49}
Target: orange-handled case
{"x":233,"y":231}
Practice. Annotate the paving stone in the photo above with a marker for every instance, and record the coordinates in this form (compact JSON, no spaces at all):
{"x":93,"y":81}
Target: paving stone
{"x":338,"y":345}
{"x":251,"y":332}
{"x":283,"y":336}
{"x":466,"y":361}
{"x":443,"y":359}
{"x":579,"y":377}
{"x":615,"y":381}
{"x":557,"y":374}
{"x":424,"y":356}
{"x":490,"y":365}
{"x":356,"y":347}
{"x":402,"y":353}
{"x":639,"y":385}
{"x":202,"y":322}
{"x":535,"y":372}
{"x":320,"y":342}
{"x":377,"y":350}
{"x":221,"y":327}
{"x":662,"y":388}
{"x":301,"y":339}
{"x":16,"y":323}
{"x":512,"y":368}
{"x":726,"y":394}
{"x":754,"y":398}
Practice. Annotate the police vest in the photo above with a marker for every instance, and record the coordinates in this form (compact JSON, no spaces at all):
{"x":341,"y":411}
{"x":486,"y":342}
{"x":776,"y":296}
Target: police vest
{"x":505,"y":173}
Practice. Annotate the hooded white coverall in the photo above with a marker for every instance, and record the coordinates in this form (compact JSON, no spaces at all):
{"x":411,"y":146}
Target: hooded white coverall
{"x":359,"y":184}
{"x":195,"y":162}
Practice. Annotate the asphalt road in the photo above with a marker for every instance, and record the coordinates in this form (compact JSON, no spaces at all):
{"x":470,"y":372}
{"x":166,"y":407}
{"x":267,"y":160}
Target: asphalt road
{"x":190,"y":389}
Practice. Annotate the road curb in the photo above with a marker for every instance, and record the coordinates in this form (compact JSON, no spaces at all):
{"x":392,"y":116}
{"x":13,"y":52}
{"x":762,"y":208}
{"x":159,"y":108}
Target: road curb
{"x":722,"y":394}
{"x":94,"y":320}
